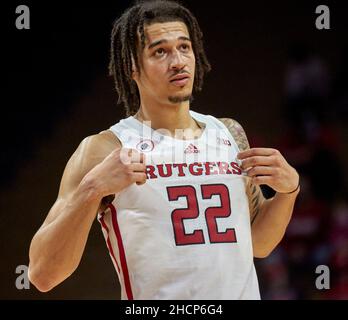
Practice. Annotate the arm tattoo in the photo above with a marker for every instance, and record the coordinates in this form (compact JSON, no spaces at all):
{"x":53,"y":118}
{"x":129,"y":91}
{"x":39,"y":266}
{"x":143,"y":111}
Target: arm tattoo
{"x":237,"y":132}
{"x":253,"y":192}
{"x":255,"y":200}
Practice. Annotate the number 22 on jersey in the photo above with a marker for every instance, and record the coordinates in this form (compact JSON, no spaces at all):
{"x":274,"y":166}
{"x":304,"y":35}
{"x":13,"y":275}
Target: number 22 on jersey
{"x":192,"y":212}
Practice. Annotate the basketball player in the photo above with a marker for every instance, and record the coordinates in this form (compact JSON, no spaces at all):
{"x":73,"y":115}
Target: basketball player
{"x":184,"y":229}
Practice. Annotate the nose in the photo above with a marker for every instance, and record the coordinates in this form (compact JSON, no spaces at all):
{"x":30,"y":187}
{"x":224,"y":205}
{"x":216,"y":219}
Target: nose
{"x":177,"y":62}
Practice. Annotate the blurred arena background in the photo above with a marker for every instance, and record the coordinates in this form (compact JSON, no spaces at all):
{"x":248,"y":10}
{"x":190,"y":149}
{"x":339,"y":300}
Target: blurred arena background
{"x":273,"y":71}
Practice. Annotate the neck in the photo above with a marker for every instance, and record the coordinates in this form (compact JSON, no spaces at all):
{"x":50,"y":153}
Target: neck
{"x":170,"y":117}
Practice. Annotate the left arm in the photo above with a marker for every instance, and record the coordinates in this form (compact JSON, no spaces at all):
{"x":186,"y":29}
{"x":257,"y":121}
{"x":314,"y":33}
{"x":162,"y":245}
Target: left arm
{"x":268,"y":166}
{"x":269,"y":218}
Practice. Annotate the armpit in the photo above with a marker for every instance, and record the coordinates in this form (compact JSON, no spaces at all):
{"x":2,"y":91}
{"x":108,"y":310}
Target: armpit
{"x":105,"y":202}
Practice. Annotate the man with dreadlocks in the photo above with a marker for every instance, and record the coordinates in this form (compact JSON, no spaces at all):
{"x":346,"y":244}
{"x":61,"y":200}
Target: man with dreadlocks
{"x":182,"y":213}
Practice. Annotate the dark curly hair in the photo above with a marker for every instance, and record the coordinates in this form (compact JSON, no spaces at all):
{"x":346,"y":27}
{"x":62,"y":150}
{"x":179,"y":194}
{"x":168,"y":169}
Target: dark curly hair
{"x":124,"y":45}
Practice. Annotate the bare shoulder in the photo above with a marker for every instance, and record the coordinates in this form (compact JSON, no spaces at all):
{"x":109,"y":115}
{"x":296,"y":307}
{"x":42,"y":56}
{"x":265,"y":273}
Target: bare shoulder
{"x":103,"y":139}
{"x":100,"y":144}
{"x":95,"y":148}
{"x":237,"y":132}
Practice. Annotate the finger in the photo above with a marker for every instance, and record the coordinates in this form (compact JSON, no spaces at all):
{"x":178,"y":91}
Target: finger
{"x":139,"y":177}
{"x":262,"y":180}
{"x":256,"y":152}
{"x":125,"y":155}
{"x":136,"y":156}
{"x":131,"y":156}
{"x":256,"y":161}
{"x":142,"y":158}
{"x":137,"y":167}
{"x":260,"y":170}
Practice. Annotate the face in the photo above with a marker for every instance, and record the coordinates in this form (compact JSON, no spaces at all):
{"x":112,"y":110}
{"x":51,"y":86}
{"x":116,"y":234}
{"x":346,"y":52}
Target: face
{"x":167,"y":64}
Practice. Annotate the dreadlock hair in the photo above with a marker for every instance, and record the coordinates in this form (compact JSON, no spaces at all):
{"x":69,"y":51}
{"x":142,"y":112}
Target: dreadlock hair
{"x":124,"y":45}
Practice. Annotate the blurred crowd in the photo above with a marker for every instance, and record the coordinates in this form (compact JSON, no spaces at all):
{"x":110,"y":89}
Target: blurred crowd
{"x":316,"y":118}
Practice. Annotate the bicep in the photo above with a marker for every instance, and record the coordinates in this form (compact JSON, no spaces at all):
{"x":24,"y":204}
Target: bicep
{"x":71,"y":178}
{"x":91,"y":151}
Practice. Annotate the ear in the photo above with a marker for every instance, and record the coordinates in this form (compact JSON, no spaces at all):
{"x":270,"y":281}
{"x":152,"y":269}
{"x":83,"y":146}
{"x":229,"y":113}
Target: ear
{"x":134,"y":70}
{"x":134,"y":74}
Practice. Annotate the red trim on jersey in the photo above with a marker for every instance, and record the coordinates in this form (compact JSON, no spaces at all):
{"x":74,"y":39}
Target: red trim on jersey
{"x":122,"y":253}
{"x":108,"y":243}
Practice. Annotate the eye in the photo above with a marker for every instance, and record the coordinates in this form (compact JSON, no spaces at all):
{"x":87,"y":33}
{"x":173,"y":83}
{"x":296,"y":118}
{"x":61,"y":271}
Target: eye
{"x":185,"y":47}
{"x":160,"y":52}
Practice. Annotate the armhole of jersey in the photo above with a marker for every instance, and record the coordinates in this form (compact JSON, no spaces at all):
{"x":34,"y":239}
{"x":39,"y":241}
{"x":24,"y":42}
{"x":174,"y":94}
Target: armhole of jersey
{"x":116,"y":134}
{"x":221,"y":125}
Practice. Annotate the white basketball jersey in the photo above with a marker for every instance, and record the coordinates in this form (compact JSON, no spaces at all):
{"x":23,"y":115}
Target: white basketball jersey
{"x":185,"y":234}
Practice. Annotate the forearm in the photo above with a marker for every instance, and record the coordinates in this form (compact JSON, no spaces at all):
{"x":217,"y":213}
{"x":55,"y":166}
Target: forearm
{"x":269,"y":226}
{"x":57,"y":248}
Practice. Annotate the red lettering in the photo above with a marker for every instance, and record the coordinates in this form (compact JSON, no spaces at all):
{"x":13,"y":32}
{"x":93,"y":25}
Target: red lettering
{"x":150,"y":172}
{"x":180,"y":167}
{"x":223,"y":168}
{"x":168,"y":170}
{"x":237,"y":170}
{"x":198,"y":171}
{"x":208,"y":167}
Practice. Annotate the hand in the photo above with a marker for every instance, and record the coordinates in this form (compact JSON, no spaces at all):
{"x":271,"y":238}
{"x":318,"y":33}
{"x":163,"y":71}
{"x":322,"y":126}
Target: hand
{"x":117,"y":171}
{"x":268,"y":166}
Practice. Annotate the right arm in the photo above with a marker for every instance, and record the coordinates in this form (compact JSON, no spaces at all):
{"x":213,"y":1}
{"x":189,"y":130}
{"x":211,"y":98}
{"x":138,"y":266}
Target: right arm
{"x":94,"y":172}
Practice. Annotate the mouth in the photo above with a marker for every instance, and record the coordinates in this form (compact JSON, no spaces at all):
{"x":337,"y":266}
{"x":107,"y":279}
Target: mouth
{"x":180,"y":80}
